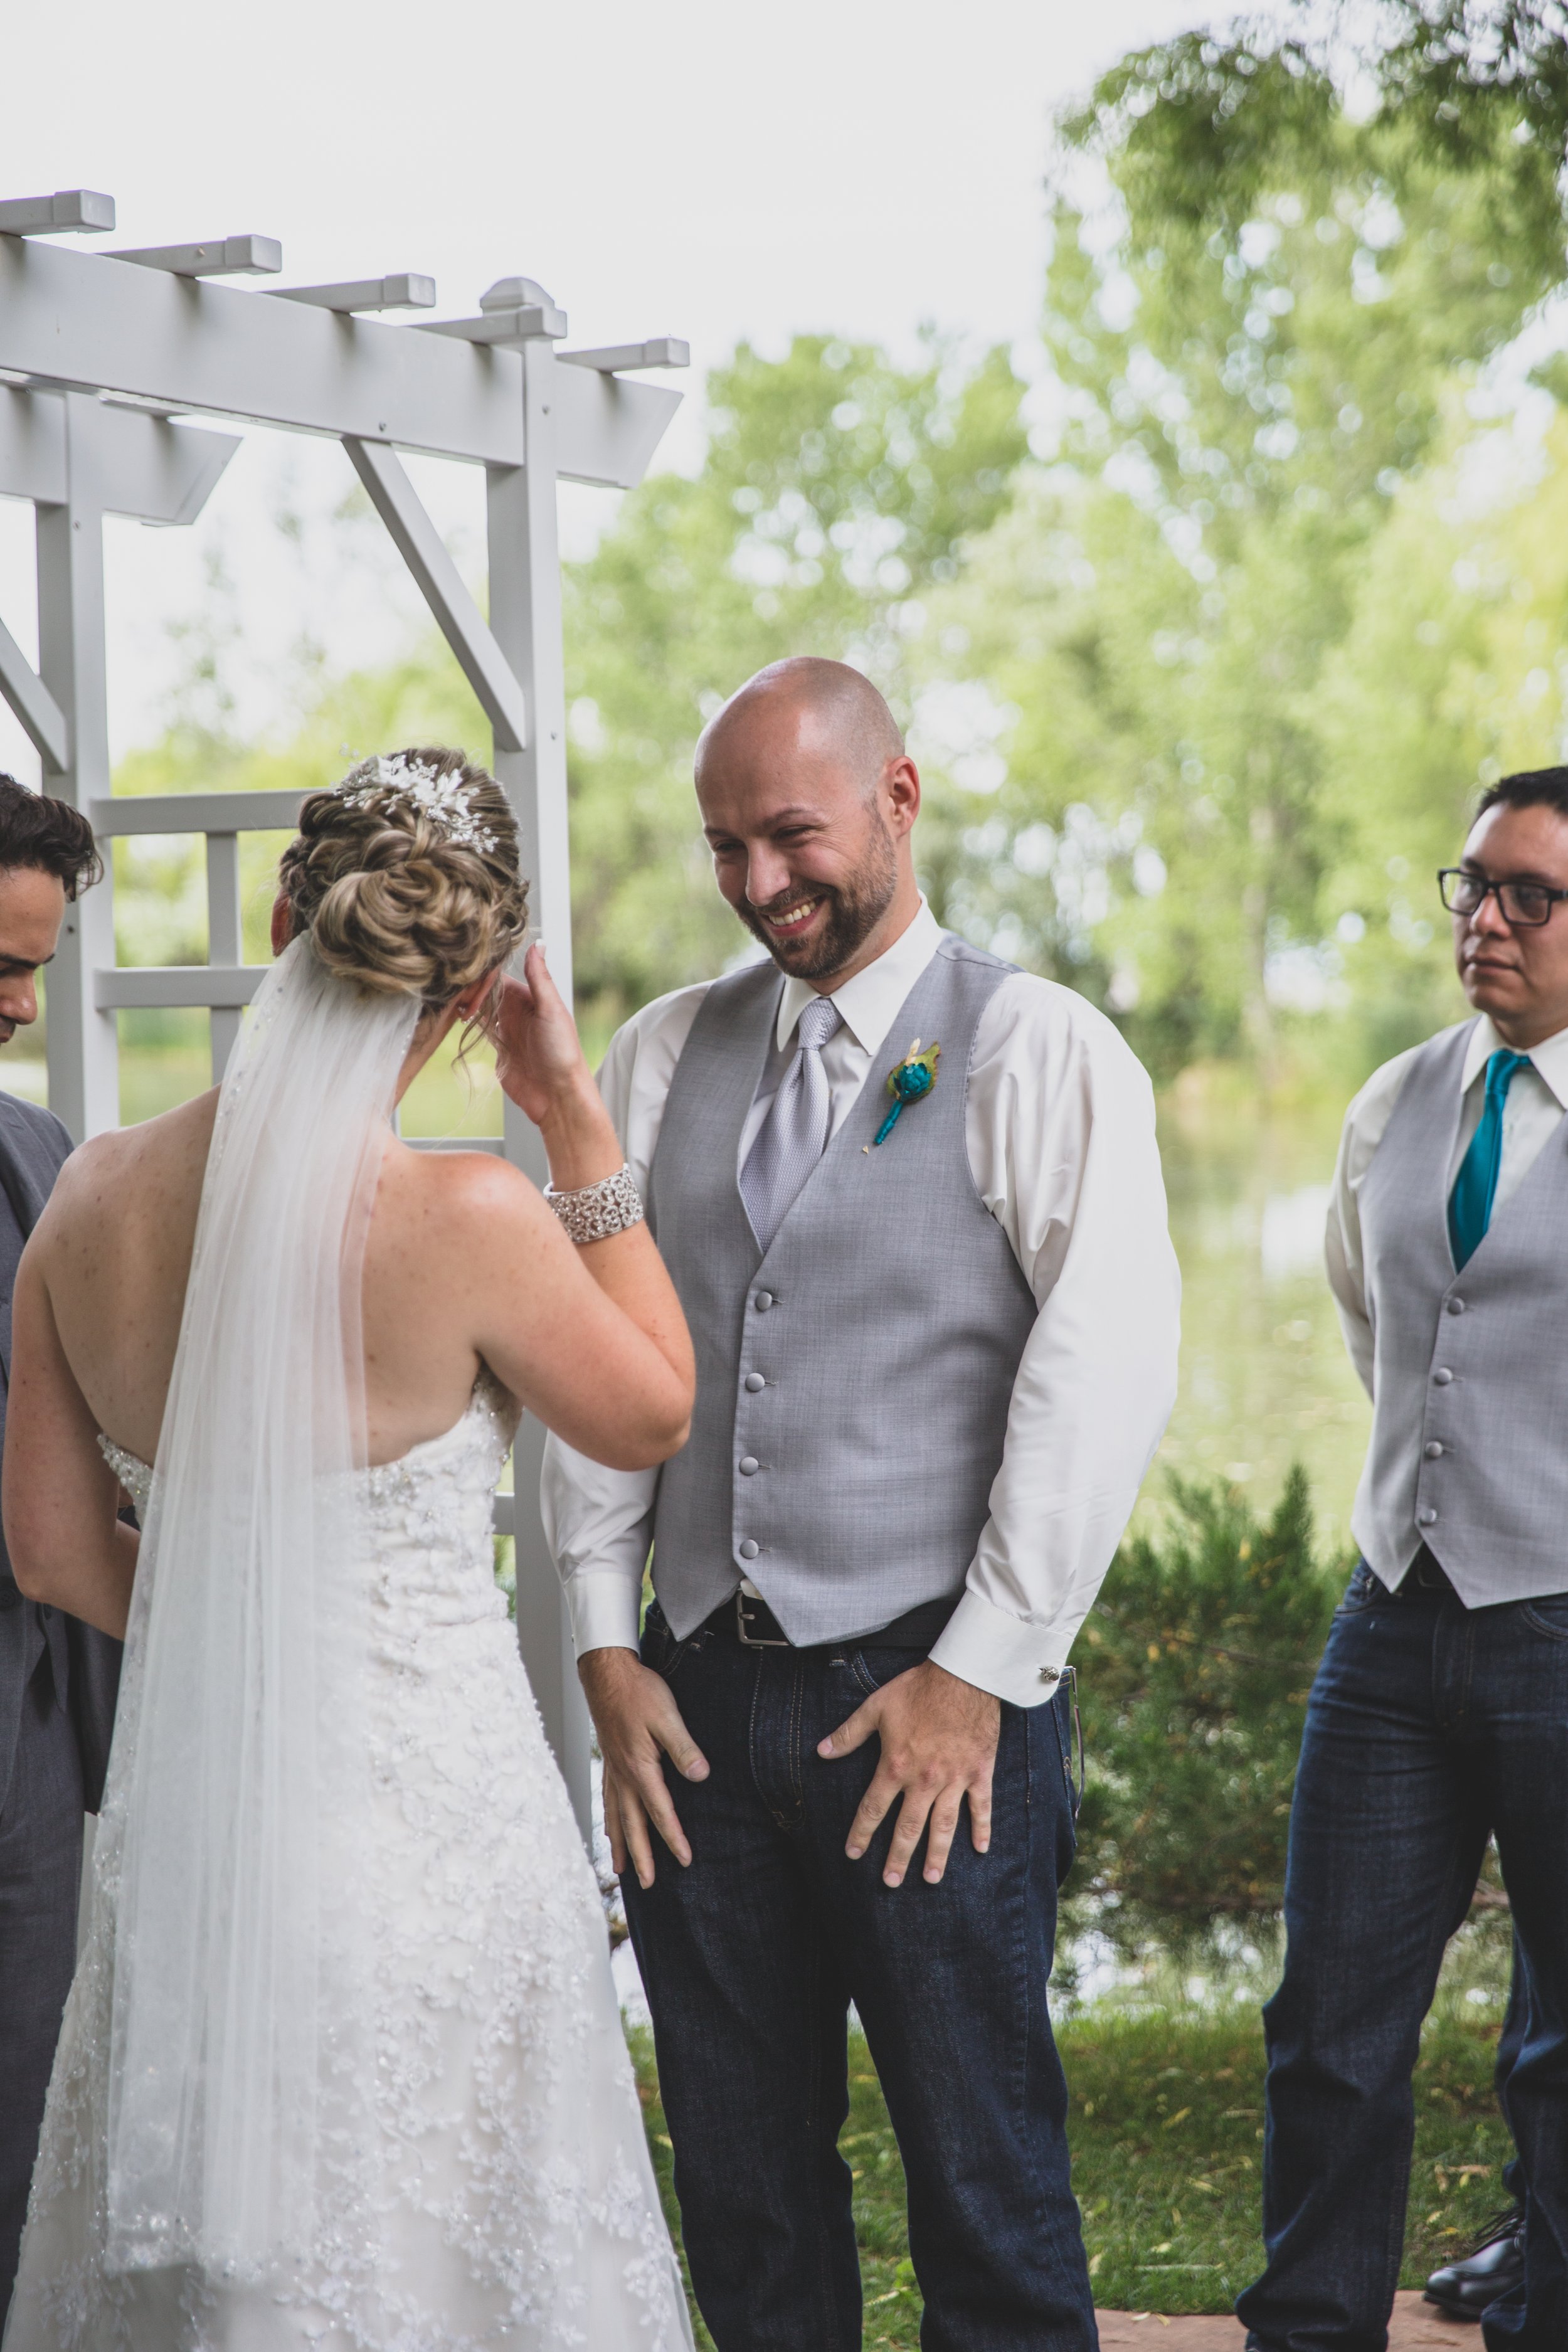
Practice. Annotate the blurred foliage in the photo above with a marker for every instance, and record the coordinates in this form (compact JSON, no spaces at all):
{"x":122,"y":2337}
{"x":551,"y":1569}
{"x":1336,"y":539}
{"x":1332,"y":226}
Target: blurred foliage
{"x":1206,"y":124}
{"x":1205,"y":646}
{"x":1196,"y":1661}
{"x":1453,"y":668}
{"x":1263,"y":317}
{"x":1462,"y":69}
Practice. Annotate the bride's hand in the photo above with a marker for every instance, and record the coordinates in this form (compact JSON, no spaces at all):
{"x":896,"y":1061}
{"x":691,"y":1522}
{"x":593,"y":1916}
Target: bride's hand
{"x":538,"y":1058}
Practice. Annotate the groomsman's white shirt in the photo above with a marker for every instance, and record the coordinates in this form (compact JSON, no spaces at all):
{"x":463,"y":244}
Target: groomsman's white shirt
{"x":1537,"y":1099}
{"x":1059,"y":1125}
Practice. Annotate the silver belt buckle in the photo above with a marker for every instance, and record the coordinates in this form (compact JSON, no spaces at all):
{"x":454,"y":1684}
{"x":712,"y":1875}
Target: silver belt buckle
{"x":742,"y":1621}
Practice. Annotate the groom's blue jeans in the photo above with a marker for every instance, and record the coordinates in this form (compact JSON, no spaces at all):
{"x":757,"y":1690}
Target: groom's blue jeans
{"x":1430,"y":1726}
{"x":750,"y":1958}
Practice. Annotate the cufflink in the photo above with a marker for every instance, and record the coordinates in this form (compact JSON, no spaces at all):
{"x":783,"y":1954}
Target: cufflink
{"x":1050,"y":1674}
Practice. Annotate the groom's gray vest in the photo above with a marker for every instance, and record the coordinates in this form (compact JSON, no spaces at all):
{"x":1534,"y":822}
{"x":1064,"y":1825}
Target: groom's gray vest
{"x":1470,"y":1381}
{"x":853,"y":1383}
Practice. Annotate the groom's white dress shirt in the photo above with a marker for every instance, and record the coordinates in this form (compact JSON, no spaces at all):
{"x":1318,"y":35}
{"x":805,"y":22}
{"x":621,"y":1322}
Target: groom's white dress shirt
{"x":1059,"y":1129}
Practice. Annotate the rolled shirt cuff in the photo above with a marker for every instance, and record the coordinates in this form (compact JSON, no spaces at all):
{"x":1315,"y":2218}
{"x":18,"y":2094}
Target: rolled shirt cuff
{"x":1017,"y":1660}
{"x":606,"y":1610}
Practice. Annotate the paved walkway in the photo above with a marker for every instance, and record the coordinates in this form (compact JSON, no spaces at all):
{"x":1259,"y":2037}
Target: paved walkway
{"x":1415,"y":2327}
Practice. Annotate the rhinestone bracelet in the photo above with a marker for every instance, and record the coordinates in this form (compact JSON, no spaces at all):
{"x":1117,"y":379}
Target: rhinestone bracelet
{"x":594,"y":1212}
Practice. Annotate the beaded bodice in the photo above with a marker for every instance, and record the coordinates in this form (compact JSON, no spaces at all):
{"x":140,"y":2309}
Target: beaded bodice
{"x":134,"y":1475}
{"x":428,"y":1512}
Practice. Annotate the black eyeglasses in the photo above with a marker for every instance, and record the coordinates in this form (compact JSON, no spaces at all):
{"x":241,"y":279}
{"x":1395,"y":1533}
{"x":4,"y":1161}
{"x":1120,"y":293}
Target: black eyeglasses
{"x":1526,"y":904}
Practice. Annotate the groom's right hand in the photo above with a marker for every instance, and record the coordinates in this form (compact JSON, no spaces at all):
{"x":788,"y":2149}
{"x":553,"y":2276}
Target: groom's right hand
{"x":639,"y":1724}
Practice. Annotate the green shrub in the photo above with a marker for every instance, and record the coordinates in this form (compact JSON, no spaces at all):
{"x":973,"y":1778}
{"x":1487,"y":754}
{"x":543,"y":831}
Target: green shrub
{"x":1195,"y":1667}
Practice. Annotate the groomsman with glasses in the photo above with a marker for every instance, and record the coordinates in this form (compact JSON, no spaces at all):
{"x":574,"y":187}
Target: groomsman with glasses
{"x":1439,"y":1715}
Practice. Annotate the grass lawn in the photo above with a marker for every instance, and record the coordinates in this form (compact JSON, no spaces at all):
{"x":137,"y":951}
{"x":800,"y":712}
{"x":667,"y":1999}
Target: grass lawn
{"x":1167,"y":2127}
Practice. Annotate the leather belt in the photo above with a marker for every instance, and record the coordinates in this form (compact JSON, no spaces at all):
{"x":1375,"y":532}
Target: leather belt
{"x":748,"y":1620}
{"x":1429,"y":1573}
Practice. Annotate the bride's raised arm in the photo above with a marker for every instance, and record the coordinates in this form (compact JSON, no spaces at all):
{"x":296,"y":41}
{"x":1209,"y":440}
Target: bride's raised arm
{"x":589,"y":1335}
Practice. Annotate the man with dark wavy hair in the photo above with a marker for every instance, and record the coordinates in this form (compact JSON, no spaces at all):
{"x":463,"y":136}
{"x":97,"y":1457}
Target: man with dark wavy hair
{"x":58,"y":1679}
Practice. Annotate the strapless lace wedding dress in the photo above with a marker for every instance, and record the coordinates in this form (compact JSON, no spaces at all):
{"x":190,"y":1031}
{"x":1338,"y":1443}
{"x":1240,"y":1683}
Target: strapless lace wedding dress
{"x":515,"y":2205}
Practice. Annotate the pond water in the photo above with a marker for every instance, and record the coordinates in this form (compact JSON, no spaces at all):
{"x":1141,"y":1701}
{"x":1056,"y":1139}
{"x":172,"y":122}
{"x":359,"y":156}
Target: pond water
{"x":1265,"y":1378}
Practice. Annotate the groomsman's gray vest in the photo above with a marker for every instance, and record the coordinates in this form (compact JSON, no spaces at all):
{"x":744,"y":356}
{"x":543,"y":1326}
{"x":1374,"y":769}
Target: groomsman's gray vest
{"x":1470,"y":1386}
{"x":852,"y":1384}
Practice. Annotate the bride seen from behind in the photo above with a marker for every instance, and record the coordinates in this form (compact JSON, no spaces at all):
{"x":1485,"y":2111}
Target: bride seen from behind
{"x":341,"y":2066}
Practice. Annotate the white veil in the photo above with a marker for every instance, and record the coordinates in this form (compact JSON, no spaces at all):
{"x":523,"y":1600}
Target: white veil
{"x":241,"y":1778}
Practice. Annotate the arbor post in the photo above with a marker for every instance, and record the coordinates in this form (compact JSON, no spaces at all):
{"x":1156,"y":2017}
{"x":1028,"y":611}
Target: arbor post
{"x":525,"y":619}
{"x":83,"y":1055}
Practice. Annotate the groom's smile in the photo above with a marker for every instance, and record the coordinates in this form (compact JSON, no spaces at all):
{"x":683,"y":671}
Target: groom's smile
{"x":793,"y":931}
{"x":788,"y":922}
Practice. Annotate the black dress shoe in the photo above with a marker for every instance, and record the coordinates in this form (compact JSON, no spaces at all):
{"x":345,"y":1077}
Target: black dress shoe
{"x":1495,"y":2264}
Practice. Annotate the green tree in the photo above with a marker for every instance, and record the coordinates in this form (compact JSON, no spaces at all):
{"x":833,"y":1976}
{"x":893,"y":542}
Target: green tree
{"x":1454,"y":669}
{"x":1252,"y":361}
{"x":1482,"y":79}
{"x":1475,"y":89}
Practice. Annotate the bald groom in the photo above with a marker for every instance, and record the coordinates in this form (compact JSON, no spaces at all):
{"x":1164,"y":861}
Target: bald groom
{"x":912,"y":1200}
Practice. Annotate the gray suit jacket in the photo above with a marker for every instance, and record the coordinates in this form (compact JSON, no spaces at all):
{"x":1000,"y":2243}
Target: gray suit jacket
{"x":34,"y":1146}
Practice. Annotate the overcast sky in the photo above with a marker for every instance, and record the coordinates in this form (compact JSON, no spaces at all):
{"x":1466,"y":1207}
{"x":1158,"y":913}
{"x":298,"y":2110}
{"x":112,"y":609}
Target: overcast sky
{"x":700,"y":168}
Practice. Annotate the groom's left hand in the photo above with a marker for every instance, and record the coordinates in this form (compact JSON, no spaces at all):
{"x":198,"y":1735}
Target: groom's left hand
{"x":939,"y":1746}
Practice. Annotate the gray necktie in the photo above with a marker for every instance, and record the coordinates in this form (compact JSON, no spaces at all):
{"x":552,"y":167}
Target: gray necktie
{"x":794,"y":1136}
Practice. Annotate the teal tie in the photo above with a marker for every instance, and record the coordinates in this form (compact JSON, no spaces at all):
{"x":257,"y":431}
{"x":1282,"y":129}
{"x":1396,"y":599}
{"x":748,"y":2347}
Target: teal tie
{"x":1475,"y":1186}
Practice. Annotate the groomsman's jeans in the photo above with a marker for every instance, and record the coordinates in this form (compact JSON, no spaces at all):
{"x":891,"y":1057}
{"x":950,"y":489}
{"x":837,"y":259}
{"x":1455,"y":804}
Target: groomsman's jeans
{"x":750,"y":1958}
{"x":1430,"y":1725}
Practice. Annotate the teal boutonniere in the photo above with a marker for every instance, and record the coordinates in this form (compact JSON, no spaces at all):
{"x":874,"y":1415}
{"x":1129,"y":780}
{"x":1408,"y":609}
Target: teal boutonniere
{"x":909,"y":1082}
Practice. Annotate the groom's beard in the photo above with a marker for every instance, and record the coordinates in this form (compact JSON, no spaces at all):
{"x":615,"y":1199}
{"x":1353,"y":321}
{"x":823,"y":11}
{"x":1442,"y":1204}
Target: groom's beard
{"x":850,"y":915}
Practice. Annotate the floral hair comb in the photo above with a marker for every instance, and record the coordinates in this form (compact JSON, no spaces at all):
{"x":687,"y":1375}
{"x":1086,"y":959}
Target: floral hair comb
{"x":445,"y":799}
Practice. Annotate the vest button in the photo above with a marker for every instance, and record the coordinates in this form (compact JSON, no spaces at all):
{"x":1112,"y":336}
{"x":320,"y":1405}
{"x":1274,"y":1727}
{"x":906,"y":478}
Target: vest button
{"x":1442,"y":1376}
{"x":1426,"y":1518}
{"x":749,"y":1549}
{"x":754,"y":1382}
{"x":1456,"y":1306}
{"x":763,"y":1300}
{"x":1432,"y":1450}
{"x":750,"y":1467}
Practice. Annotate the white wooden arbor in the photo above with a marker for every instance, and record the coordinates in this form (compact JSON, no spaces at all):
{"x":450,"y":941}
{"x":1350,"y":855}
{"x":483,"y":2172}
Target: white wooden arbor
{"x":100,"y":353}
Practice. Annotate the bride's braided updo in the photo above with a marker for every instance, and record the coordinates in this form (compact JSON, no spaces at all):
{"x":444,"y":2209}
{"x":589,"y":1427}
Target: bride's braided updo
{"x":405,"y":876}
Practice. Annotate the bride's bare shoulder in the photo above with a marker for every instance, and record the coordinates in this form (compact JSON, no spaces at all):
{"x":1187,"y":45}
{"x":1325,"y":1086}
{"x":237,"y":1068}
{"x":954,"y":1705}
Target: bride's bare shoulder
{"x":149,"y":1168}
{"x":456,"y":1189}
